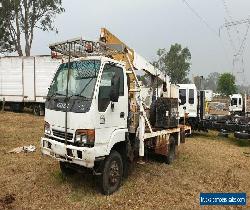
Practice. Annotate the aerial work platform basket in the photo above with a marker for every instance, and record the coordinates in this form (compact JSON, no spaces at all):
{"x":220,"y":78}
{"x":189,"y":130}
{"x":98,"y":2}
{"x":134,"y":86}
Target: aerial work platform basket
{"x":79,"y":47}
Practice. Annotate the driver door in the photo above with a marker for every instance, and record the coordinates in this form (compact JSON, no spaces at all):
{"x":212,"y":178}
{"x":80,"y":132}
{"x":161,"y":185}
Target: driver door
{"x":112,"y":115}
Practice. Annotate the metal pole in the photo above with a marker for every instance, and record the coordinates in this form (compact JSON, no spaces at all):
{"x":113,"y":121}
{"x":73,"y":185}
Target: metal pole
{"x":67,"y":93}
{"x":201,"y":83}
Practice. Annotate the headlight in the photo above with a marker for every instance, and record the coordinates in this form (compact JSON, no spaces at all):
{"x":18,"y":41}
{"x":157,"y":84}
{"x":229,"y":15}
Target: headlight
{"x":85,"y":137}
{"x":47,"y":128}
{"x":82,"y":138}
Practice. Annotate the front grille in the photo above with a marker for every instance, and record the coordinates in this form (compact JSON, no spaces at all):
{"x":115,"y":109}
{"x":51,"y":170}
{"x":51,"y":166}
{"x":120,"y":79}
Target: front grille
{"x":60,"y":140}
{"x":61,"y":134}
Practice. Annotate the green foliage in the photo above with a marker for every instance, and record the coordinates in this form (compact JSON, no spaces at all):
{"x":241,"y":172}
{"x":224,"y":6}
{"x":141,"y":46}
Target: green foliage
{"x":226,"y":84}
{"x":19,"y":18}
{"x":175,"y":62}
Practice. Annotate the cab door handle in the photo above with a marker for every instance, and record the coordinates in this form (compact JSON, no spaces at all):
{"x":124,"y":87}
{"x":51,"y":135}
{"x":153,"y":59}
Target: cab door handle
{"x":122,"y":114}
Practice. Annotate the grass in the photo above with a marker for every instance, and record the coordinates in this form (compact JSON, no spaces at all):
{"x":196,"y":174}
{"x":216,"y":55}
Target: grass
{"x":205,"y":163}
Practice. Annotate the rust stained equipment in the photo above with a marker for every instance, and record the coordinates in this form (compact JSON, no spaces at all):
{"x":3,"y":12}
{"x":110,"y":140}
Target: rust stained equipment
{"x":162,"y":142}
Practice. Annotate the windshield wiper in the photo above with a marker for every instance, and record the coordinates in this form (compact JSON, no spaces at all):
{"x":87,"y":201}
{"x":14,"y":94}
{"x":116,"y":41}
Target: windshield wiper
{"x":86,"y":86}
{"x":78,"y":95}
{"x":55,"y":94}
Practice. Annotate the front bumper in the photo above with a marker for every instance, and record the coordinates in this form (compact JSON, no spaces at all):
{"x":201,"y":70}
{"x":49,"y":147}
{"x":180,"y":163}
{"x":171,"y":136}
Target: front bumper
{"x":79,"y":155}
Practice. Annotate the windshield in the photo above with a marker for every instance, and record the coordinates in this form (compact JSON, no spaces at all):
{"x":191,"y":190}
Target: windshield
{"x":82,"y":79}
{"x":233,"y":101}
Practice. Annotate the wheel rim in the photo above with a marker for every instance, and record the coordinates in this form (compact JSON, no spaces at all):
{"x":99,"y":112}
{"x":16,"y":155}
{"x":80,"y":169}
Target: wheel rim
{"x":114,"y":174}
{"x":36,"y":110}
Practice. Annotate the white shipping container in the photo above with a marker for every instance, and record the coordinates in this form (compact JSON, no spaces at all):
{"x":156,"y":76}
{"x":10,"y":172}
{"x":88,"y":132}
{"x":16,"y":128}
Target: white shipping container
{"x":26,"y":79}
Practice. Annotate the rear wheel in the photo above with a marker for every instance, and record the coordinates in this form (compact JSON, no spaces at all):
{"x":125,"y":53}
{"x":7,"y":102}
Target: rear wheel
{"x":38,"y":109}
{"x":242,"y":135}
{"x":65,"y":169}
{"x":17,"y":107}
{"x":112,"y":173}
{"x":171,"y":151}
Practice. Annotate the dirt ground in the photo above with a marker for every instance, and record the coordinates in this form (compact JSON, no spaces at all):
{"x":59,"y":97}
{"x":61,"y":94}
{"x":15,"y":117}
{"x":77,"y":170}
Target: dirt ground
{"x":206,"y":163}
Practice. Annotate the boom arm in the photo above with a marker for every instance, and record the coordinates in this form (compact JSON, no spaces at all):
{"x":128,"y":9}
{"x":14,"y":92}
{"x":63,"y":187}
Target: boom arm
{"x":137,"y":61}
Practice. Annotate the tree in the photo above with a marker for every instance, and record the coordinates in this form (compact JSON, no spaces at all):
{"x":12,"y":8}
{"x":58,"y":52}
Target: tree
{"x":199,"y":82}
{"x":211,"y":82}
{"x":175,"y":62}
{"x":226,"y":84}
{"x":19,"y":19}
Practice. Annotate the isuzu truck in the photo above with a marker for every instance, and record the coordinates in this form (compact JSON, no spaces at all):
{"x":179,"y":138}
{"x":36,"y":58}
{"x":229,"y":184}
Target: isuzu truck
{"x":95,"y":116}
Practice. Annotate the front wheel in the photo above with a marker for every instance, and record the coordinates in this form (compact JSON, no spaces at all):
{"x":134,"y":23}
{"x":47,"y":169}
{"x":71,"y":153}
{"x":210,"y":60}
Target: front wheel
{"x":112,"y":173}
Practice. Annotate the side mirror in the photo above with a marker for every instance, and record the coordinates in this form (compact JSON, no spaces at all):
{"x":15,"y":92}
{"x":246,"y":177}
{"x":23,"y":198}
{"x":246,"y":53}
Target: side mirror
{"x":164,"y":87}
{"x":115,"y":86}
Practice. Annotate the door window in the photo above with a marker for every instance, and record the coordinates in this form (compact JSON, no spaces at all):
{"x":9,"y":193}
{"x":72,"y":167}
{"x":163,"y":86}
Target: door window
{"x":108,"y":73}
{"x":234,"y":102}
{"x":182,"y":93}
{"x":191,"y":96}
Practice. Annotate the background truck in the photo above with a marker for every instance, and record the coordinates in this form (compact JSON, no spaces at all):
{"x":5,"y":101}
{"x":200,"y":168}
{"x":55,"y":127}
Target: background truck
{"x":191,"y":106}
{"x":228,"y":117}
{"x":24,"y":81}
{"x":95,"y":116}
{"x":239,"y":104}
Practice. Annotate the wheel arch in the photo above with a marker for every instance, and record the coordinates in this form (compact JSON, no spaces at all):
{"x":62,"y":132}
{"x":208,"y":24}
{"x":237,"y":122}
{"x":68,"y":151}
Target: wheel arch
{"x":118,"y":138}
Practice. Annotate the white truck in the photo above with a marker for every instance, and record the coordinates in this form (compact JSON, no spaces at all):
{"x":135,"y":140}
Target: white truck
{"x":188,"y":96}
{"x":192,"y":106}
{"x":95,"y":117}
{"x":238,"y":105}
{"x":24,"y":81}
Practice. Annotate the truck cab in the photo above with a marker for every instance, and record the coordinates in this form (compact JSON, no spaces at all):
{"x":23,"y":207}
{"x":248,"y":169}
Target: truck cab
{"x":236,"y":103}
{"x":188,"y":100}
{"x":92,"y":118}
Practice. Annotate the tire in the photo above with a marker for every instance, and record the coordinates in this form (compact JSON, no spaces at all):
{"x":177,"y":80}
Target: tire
{"x":223,"y":134}
{"x":65,"y":169}
{"x":171,"y":151}
{"x":112,"y":173}
{"x":17,"y":107}
{"x":36,"y":110}
{"x":242,"y":135}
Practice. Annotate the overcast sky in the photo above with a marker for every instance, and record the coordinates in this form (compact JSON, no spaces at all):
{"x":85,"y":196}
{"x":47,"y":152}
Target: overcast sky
{"x":147,"y":25}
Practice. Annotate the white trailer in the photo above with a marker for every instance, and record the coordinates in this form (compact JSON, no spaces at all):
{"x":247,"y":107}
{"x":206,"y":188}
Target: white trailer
{"x":208,"y":95}
{"x":24,"y":81}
